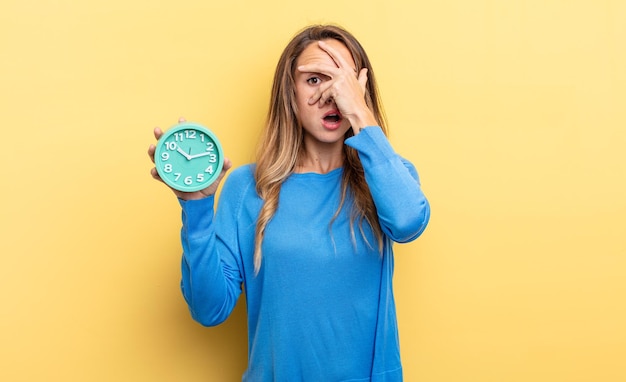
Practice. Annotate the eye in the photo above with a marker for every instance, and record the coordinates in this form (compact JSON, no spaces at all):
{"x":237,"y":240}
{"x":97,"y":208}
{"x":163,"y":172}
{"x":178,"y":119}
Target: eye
{"x":314,"y":81}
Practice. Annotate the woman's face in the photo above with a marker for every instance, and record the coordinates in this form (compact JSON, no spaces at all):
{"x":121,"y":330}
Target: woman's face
{"x":321,"y":123}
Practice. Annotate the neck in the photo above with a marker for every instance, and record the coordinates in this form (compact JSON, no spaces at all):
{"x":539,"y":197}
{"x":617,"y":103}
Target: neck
{"x":320,"y":159}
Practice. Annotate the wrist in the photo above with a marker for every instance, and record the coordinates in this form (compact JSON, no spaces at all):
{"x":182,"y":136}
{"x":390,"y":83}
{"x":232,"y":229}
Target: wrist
{"x":361,"y":121}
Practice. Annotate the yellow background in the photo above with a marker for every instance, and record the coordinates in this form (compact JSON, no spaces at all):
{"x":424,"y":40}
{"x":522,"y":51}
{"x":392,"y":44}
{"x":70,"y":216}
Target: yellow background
{"x":513,"y":111}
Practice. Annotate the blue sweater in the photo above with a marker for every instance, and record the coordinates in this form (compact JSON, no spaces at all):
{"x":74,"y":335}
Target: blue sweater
{"x":322,"y":307}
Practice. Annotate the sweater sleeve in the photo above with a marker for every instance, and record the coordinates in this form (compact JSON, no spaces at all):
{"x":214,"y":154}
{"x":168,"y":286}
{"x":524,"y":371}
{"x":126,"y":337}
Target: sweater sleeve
{"x":403,"y":210}
{"x":211,"y":267}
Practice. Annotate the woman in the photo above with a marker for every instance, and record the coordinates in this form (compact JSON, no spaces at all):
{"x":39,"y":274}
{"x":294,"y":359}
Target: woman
{"x":307,"y":231}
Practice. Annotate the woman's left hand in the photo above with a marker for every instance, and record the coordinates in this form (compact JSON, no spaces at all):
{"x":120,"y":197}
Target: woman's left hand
{"x":345,"y":88}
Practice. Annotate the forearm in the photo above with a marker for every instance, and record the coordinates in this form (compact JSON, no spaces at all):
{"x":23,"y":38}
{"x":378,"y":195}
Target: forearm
{"x":210,"y":290}
{"x":402,"y":207}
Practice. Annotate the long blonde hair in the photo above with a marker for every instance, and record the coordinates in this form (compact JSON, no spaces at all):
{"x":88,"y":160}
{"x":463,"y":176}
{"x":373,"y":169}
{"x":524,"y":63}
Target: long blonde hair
{"x":282,"y":139}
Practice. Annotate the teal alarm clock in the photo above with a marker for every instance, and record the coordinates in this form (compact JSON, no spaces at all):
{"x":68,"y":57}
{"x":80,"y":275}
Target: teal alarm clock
{"x":188,"y":157}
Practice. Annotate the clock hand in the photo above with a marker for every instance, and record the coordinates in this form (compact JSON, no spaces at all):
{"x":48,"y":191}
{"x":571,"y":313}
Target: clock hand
{"x":200,"y":155}
{"x":189,"y":157}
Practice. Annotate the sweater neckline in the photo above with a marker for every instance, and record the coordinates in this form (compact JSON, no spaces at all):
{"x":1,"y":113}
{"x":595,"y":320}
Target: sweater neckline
{"x":316,"y":175}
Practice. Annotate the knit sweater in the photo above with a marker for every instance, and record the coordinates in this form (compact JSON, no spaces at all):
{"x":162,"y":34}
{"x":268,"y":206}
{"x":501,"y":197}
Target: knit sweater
{"x":321,"y":307}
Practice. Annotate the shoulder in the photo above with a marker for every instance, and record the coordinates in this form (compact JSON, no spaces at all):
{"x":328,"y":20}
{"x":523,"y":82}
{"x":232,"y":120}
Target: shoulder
{"x":243,"y":174}
{"x":240,"y":182}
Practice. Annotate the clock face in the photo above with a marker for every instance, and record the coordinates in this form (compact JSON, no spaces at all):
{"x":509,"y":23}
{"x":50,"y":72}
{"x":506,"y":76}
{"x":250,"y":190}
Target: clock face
{"x":188,"y":157}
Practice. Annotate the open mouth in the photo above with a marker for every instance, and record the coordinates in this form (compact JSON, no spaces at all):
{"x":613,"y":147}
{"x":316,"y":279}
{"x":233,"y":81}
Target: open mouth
{"x":332,"y":118}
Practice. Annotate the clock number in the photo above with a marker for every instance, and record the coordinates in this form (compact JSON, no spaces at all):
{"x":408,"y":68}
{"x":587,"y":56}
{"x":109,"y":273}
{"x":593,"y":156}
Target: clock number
{"x":177,"y":176}
{"x":165,"y":156}
{"x":188,"y":180}
{"x":179,"y":137}
{"x":167,"y":168}
{"x":209,"y":170}
{"x":171,"y":146}
{"x":200,"y":178}
{"x":212,"y":158}
{"x":210,"y":146}
{"x":190,"y":134}
{"x":201,"y":137}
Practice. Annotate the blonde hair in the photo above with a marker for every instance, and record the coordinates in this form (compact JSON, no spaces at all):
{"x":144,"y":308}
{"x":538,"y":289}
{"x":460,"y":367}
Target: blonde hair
{"x":282,"y":138}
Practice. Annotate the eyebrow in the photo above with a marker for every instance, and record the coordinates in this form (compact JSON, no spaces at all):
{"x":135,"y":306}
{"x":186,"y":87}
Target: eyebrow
{"x":299,"y":72}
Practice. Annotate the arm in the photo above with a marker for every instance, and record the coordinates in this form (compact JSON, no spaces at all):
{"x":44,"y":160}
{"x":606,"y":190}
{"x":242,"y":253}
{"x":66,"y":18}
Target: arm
{"x":211,"y":281}
{"x":211,"y":277}
{"x":402,"y":207}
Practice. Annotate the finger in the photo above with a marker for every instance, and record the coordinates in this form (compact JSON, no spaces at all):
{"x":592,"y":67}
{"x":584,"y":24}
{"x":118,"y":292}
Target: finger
{"x":363,"y":79}
{"x":319,"y":95}
{"x":151,"y":151}
{"x":339,"y":60}
{"x":227,"y":165}
{"x":326,"y":100}
{"x":313,"y":100}
{"x":212,"y":189}
{"x":181,"y":119}
{"x":158,"y":133}
{"x":320,"y":68}
{"x":155,"y":174}
{"x":323,"y":99}
{"x":323,"y":95}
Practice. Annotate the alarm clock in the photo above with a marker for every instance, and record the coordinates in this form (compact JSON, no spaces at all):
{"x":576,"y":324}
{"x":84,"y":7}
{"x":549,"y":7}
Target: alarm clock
{"x":188,"y":157}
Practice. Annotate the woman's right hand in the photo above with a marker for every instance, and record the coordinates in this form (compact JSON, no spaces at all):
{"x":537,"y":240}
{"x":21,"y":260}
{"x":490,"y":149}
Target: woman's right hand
{"x":211,"y":190}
